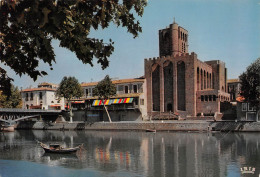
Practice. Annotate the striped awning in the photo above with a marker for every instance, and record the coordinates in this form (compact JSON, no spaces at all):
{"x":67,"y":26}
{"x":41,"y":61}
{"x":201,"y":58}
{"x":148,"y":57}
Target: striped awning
{"x":112,"y":101}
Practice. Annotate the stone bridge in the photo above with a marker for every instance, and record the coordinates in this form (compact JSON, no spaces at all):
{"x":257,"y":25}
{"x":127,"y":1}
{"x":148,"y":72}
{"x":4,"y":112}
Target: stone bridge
{"x":11,"y":116}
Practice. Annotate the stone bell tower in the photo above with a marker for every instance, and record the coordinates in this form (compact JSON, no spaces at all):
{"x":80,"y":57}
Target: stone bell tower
{"x":173,"y":40}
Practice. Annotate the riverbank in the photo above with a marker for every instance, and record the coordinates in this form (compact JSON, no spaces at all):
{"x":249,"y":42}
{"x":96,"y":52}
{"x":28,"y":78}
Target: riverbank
{"x":243,"y":126}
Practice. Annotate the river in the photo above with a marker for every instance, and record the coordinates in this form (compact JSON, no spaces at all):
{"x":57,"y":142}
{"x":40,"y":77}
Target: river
{"x":130,"y":153}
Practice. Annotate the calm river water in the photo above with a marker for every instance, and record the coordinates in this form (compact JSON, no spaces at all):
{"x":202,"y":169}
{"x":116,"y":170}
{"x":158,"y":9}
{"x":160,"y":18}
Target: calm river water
{"x":131,"y":153}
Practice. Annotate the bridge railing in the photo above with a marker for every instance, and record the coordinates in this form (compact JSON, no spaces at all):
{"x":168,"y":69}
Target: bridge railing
{"x":28,"y":110}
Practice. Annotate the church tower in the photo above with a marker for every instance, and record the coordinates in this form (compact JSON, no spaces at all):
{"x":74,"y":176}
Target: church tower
{"x":173,"y":40}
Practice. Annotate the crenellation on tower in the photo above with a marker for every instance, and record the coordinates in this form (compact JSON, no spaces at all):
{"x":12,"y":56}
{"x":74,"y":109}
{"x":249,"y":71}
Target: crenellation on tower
{"x":173,"y":40}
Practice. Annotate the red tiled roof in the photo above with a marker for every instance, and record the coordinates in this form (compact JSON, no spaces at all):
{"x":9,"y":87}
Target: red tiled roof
{"x":240,"y":98}
{"x":38,"y":89}
{"x":121,"y":81}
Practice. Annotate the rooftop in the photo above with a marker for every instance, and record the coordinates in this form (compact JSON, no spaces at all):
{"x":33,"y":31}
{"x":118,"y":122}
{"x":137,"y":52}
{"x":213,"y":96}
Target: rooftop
{"x":38,"y":89}
{"x":233,"y":80}
{"x":121,"y":81}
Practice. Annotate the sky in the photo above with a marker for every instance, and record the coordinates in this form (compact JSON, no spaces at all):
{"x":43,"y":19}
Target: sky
{"x":227,"y":30}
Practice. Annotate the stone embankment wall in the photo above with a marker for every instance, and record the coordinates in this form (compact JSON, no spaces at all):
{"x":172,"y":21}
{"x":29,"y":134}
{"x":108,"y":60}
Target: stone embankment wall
{"x":142,"y":126}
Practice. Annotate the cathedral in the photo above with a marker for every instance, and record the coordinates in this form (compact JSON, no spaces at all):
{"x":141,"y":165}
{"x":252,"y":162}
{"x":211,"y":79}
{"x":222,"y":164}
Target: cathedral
{"x":178,"y":82}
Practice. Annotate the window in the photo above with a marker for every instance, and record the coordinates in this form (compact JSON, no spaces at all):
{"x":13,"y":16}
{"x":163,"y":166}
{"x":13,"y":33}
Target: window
{"x":214,"y":98}
{"x":86,"y":92}
{"x":140,"y":88}
{"x":136,"y":101}
{"x":135,"y":88}
{"x":27,"y":97}
{"x":250,"y":107}
{"x":126,"y":89}
{"x":244,"y":106}
{"x":206,"y":98}
{"x":120,"y":88}
{"x":40,"y":95}
{"x":90,"y":91}
{"x":202,"y":98}
{"x":31,"y":97}
{"x":210,"y":97}
{"x":141,"y":101}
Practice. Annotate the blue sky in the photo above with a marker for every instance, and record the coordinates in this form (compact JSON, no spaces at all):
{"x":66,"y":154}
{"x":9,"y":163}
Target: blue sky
{"x":227,"y":30}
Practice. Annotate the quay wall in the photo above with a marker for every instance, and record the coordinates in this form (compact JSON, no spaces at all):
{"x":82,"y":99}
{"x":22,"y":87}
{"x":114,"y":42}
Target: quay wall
{"x":242,"y":126}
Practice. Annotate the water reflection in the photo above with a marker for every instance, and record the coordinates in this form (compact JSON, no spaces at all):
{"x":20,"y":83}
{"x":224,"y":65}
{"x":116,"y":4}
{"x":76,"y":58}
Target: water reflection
{"x":140,"y":153}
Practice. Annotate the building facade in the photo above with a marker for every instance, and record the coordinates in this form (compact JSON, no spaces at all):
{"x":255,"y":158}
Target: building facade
{"x":179,"y":82}
{"x":234,"y":86}
{"x":42,"y":97}
{"x":129,"y":103}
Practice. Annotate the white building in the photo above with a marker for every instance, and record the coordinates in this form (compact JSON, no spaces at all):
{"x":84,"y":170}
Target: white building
{"x":129,"y":102}
{"x":42,"y":97}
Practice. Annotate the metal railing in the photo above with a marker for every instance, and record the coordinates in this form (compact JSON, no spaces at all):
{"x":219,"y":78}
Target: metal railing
{"x":27,"y":110}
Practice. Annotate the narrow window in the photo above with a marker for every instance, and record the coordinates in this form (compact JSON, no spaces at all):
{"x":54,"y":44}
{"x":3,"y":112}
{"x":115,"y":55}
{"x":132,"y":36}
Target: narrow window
{"x":141,"y":101}
{"x":136,"y":101}
{"x":27,"y":97}
{"x":244,"y":106}
{"x":40,"y":95}
{"x":135,"y":88}
{"x":214,"y":98}
{"x":202,"y":98}
{"x":31,"y":98}
{"x":126,"y":89}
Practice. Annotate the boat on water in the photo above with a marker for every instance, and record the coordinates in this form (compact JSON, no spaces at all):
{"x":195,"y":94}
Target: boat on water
{"x":57,"y":148}
{"x":151,"y":130}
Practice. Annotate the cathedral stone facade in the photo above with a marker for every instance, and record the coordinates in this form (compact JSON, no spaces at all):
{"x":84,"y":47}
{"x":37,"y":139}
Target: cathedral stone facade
{"x":179,"y":82}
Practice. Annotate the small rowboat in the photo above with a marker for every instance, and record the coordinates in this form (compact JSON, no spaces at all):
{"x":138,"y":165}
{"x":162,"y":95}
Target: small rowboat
{"x":151,"y":130}
{"x":57,"y":148}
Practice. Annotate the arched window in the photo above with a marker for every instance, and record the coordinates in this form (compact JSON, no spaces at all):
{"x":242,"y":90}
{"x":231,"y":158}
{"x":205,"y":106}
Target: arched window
{"x":198,"y":78}
{"x":156,"y":88}
{"x":168,"y":85}
{"x":213,"y":81}
{"x":204,"y":79}
{"x":181,"y":93}
{"x":201,"y":79}
{"x":210,"y":82}
{"x":207,"y":80}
